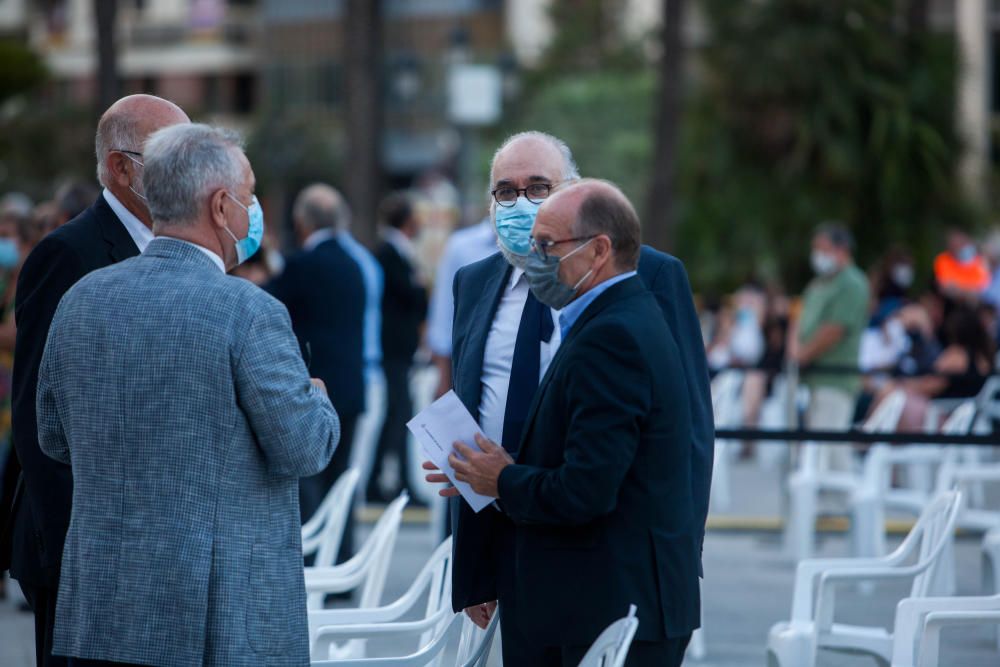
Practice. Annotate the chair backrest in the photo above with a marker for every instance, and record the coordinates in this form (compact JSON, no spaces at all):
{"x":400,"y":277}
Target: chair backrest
{"x":988,"y":400}
{"x":438,"y":571}
{"x":931,"y":532}
{"x":885,"y":418}
{"x":474,"y":647}
{"x":324,"y":531}
{"x":379,"y":546}
{"x":428,"y":654}
{"x":726,"y":402}
{"x":611,"y":646}
{"x":377,"y":550}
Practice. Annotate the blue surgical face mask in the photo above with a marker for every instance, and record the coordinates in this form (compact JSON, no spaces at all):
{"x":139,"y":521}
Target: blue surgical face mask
{"x":543,"y":279}
{"x":245,"y":248}
{"x":514,"y":225}
{"x":967,"y":253}
{"x":9,"y":253}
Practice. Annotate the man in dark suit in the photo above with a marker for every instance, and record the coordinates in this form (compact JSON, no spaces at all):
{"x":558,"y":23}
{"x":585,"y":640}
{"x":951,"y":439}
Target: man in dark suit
{"x":503,"y":341}
{"x":601,"y":492}
{"x":324,"y":291}
{"x":404,"y":308}
{"x":117,"y":226}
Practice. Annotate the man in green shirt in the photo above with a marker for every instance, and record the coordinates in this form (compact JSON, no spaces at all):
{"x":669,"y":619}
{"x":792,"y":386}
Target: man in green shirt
{"x":834,"y":314}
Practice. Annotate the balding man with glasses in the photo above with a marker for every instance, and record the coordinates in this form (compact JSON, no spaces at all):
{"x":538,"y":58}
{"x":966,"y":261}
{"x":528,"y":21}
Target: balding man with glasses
{"x":503,"y":342}
{"x":117,"y":226}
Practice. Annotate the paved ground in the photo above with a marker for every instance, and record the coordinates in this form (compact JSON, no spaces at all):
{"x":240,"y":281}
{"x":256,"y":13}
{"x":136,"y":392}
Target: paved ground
{"x":747,"y":588}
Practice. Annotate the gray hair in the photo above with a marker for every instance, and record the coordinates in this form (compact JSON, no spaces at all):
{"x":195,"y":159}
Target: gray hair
{"x":321,"y":206}
{"x":184,"y":163}
{"x":569,"y":172}
{"x":115,"y":131}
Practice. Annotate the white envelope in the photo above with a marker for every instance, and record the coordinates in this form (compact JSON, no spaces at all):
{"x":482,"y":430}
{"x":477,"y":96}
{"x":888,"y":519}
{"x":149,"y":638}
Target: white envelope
{"x":439,"y":425}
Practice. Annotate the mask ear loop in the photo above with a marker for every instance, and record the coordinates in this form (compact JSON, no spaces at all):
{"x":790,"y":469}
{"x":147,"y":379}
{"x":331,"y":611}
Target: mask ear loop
{"x":570,"y":254}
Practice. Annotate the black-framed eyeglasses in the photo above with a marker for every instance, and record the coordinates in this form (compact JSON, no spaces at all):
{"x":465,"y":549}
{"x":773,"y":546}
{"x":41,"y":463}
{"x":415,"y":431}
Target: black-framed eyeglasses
{"x":541,"y":248}
{"x":536,"y":193}
{"x":122,"y":150}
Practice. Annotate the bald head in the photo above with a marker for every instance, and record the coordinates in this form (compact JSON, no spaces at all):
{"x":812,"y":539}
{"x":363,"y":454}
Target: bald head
{"x":127,"y":124}
{"x":320,"y":206}
{"x":533,"y":154}
{"x":594,"y":207}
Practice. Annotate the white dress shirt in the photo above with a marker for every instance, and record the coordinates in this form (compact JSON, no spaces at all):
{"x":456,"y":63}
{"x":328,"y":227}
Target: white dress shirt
{"x":498,"y":357}
{"x":319,"y":236}
{"x":140,"y":233}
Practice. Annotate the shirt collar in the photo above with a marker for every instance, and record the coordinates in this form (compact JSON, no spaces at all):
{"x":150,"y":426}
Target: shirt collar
{"x":140,"y":233}
{"x":317,"y":237}
{"x":211,"y":255}
{"x":401,"y":242}
{"x":515,"y":277}
{"x":573,"y":310}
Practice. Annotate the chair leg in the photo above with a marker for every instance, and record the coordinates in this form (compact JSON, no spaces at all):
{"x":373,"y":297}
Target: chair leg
{"x":800,"y":533}
{"x":991,"y":561}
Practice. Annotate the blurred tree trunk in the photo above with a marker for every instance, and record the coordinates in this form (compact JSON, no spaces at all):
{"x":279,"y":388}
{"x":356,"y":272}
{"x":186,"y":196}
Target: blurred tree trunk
{"x":918,"y":15}
{"x":660,"y":219}
{"x":362,"y":58}
{"x":107,"y":58}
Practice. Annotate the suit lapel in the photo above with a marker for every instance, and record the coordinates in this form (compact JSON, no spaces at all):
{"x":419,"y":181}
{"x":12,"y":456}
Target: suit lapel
{"x":479,"y":329}
{"x":120,"y":244}
{"x":623,"y":290}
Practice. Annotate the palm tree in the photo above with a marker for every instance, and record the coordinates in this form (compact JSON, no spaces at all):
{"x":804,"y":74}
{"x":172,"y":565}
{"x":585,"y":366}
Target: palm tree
{"x":661,"y":207}
{"x":362,"y":56}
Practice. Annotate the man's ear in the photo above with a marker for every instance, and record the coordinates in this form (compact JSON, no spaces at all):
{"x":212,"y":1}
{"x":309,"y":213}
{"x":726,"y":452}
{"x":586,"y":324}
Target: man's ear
{"x":603,"y":249}
{"x":217,"y":209}
{"x":115,"y":164}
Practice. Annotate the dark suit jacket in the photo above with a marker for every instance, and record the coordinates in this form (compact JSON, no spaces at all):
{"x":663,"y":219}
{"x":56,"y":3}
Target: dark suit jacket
{"x":601,"y":493}
{"x":404,"y":305}
{"x":40,"y":515}
{"x":478,"y":288}
{"x":325,"y":296}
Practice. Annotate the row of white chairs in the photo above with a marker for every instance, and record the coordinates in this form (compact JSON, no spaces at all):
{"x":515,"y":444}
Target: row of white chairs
{"x":915,"y":639}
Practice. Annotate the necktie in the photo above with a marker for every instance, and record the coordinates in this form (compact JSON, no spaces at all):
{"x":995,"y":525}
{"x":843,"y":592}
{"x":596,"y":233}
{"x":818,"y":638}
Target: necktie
{"x":536,"y":326}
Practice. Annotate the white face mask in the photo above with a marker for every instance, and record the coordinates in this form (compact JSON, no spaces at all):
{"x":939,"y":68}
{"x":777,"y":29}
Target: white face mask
{"x":823,"y":263}
{"x":902,"y":275}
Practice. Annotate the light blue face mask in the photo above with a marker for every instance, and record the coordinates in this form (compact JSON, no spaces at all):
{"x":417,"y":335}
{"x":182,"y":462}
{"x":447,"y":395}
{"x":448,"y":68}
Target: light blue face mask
{"x":9,"y":254}
{"x":514,"y":225}
{"x":245,"y":248}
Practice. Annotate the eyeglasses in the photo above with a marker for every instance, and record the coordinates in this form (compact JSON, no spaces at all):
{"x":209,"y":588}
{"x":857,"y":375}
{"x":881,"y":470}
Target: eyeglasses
{"x":536,"y":193}
{"x":122,"y":150}
{"x":541,"y":248}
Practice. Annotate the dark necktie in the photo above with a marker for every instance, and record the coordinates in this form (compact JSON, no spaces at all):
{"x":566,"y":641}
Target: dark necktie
{"x":536,"y":326}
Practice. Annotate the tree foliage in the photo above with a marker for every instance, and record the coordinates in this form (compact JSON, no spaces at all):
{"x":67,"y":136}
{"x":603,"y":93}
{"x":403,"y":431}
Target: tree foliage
{"x":21,"y":70}
{"x":795,"y":112}
{"x":807,"y":111}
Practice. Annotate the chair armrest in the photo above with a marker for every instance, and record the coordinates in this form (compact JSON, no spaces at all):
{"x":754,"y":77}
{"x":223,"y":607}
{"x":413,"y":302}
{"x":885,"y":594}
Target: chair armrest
{"x":826,"y":593}
{"x":326,"y":635}
{"x":421,"y":657}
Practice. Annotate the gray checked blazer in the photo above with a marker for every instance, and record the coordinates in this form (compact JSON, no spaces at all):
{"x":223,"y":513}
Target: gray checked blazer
{"x":178,"y":395}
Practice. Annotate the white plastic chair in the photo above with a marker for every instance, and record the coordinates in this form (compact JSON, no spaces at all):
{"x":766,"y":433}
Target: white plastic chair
{"x":811,"y":478}
{"x":875,"y":494}
{"x":795,"y":643}
{"x":324,"y":531}
{"x":367,"y":569}
{"x":611,"y":647}
{"x":727,"y":407}
{"x":427,"y":655}
{"x":475,"y":644}
{"x":432,"y":584}
{"x":917,"y":631}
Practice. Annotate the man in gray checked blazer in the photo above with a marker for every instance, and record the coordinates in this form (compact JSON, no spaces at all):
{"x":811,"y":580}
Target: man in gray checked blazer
{"x":178,"y":395}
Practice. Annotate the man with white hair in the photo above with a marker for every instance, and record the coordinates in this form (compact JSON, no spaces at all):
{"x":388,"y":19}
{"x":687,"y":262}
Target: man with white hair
{"x":503,"y":342}
{"x":117,"y":226}
{"x":180,"y":398}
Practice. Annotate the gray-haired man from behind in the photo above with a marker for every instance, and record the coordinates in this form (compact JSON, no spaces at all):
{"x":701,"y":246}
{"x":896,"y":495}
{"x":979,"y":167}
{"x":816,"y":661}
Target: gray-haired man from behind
{"x":179,"y":396}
